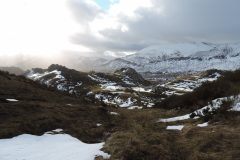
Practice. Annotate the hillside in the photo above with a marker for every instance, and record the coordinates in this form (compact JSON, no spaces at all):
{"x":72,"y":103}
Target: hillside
{"x":110,"y":88}
{"x":27,"y":107}
{"x":158,"y":132}
{"x":12,"y":70}
{"x":182,"y":57}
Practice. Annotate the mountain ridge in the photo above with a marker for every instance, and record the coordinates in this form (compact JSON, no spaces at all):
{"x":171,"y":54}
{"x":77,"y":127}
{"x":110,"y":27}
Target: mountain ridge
{"x":186,"y":57}
{"x":12,"y":70}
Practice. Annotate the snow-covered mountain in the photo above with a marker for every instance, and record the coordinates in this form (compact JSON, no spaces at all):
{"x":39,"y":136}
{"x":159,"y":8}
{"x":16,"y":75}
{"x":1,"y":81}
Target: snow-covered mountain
{"x":182,"y":57}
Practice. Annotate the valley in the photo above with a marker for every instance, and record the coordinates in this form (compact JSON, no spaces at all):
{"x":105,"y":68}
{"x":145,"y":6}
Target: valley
{"x":129,"y":115}
{"x":119,"y":80}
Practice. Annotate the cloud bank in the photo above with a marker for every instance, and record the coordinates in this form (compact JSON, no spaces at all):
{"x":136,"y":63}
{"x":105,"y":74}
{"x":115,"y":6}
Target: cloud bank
{"x":136,"y":24}
{"x":63,"y":31}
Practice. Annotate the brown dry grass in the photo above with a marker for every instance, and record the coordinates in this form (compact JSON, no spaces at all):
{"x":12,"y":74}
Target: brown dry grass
{"x":41,"y":109}
{"x":139,"y":137}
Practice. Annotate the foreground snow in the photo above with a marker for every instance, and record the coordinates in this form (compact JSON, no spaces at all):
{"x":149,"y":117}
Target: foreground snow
{"x":48,"y":147}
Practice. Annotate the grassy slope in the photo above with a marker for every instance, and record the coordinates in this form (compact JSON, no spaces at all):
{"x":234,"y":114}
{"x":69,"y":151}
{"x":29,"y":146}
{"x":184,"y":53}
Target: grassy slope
{"x":138,"y":136}
{"x":40,"y":110}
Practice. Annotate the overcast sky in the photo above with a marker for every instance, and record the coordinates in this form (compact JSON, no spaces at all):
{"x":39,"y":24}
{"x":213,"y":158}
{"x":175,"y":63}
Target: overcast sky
{"x":132,"y":25}
{"x":57,"y":28}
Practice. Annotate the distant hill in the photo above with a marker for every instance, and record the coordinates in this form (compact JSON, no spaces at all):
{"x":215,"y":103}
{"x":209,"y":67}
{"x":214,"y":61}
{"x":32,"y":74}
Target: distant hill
{"x":78,"y":83}
{"x":107,"y":88}
{"x":12,"y":70}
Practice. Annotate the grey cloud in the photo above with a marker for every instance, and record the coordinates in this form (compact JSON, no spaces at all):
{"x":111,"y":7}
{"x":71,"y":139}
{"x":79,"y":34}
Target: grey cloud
{"x":83,"y":11}
{"x":99,"y":45}
{"x":181,"y":21}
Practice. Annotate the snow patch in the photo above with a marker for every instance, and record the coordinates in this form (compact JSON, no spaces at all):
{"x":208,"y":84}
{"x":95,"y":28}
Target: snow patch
{"x":174,"y":119}
{"x":140,"y":89}
{"x":127,"y":103}
{"x":236,"y":107}
{"x":203,"y":124}
{"x":135,"y":107}
{"x":115,"y":100}
{"x":177,"y":127}
{"x":114,"y":113}
{"x":98,"y":124}
{"x":36,"y":76}
{"x":55,"y":80}
{"x":48,"y":147}
{"x":98,"y":79}
{"x":112,"y":88}
{"x":12,"y":100}
{"x":150,"y":105}
{"x":54,"y":131}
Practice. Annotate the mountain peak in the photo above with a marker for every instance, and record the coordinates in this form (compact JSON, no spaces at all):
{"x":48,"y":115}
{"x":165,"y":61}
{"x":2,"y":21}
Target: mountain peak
{"x":53,"y":67}
{"x":181,"y":57}
{"x":131,"y":74}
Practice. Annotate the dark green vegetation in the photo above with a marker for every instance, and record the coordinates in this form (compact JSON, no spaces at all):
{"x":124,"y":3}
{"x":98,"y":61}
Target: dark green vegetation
{"x":131,"y":135}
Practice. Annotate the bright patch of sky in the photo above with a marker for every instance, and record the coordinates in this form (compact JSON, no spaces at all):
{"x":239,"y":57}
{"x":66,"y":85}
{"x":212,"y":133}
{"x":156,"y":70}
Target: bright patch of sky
{"x":105,"y":4}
